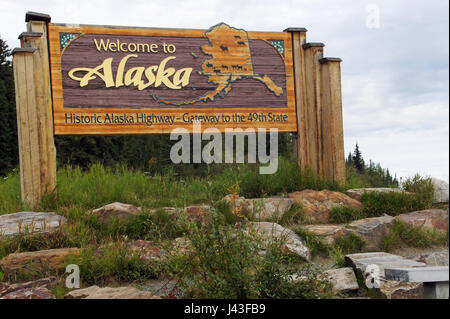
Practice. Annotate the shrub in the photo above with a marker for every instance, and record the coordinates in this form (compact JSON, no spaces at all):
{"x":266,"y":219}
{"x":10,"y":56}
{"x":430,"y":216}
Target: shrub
{"x":422,"y":187}
{"x":344,"y":214}
{"x":226,"y":262}
{"x":404,"y":235}
{"x":377,"y":204}
{"x":112,"y":263}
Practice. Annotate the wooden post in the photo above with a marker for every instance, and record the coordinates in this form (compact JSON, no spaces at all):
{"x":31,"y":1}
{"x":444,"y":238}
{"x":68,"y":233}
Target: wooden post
{"x":313,"y":53}
{"x":301,"y":141}
{"x":332,"y":124}
{"x":27,"y":123}
{"x":37,"y":150}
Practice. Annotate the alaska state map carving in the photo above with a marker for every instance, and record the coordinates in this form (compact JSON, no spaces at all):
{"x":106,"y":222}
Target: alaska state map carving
{"x":230,"y":61}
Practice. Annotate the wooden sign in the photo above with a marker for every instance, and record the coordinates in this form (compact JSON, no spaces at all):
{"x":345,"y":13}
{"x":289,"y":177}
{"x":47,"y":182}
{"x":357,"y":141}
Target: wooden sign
{"x":78,"y":79}
{"x":111,"y":80}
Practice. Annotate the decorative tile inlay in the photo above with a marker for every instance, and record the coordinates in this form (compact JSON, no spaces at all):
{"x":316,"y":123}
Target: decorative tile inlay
{"x":279,"y":45}
{"x":65,"y":38}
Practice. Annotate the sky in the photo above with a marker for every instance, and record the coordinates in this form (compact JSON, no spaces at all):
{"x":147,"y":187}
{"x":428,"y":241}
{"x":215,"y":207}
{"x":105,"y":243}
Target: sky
{"x":395,"y":69}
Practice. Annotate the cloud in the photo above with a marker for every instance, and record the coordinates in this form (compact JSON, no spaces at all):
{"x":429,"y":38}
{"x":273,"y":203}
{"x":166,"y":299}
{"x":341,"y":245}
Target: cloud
{"x":394,"y":79}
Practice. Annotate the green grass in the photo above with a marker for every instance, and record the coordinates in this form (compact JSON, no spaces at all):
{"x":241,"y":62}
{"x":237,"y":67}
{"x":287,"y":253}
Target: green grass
{"x":404,"y":235}
{"x":344,"y":214}
{"x":393,"y":204}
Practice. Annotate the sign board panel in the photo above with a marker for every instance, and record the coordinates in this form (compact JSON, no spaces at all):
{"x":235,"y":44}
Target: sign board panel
{"x":114,"y":80}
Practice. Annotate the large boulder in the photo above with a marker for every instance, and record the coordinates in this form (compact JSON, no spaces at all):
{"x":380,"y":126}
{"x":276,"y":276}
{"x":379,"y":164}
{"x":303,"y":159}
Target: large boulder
{"x":275,"y":232}
{"x":262,"y":209}
{"x":380,"y":260}
{"x":95,"y":292}
{"x":356,"y":193}
{"x":342,"y":279}
{"x":328,"y":233}
{"x":373,"y":229}
{"x":440,"y":190}
{"x":116,"y":211}
{"x":427,"y":219}
{"x":30,"y":223}
{"x":317,"y":205}
{"x":37,"y":260}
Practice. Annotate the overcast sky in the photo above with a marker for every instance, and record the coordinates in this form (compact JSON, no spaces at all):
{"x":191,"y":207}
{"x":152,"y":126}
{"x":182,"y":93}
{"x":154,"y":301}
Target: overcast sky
{"x":394,"y":72}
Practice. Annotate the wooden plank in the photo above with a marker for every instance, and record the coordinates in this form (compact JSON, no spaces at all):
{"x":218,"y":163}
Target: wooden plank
{"x":332,"y":122}
{"x":43,"y":91}
{"x":313,"y":52}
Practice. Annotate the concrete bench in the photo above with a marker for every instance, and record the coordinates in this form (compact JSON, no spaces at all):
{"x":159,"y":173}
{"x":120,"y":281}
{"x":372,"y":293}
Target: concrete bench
{"x":435,"y":279}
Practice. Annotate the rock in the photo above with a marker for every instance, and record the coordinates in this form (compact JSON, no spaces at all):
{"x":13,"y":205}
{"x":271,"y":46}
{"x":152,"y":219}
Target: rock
{"x":360,"y":261}
{"x":356,"y":193}
{"x":261,"y":209}
{"x":328,"y":233}
{"x":116,"y":211}
{"x":427,"y":219}
{"x":181,"y":246}
{"x":440,"y":190}
{"x":343,"y":279}
{"x":30,"y":222}
{"x":30,"y":293}
{"x":95,"y":292}
{"x":41,"y":283}
{"x":318,"y":204}
{"x":147,"y":251}
{"x":169,"y":210}
{"x":372,"y":229}
{"x":382,"y":260}
{"x":272,"y":231}
{"x":199,"y":213}
{"x":37,"y":260}
{"x":433,"y":258}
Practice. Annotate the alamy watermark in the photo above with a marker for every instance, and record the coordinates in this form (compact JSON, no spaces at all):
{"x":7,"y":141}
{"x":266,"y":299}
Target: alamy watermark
{"x":373,"y":16}
{"x":216,"y":152}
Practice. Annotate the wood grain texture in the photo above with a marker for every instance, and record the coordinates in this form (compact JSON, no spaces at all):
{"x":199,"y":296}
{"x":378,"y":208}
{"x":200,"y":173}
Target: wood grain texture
{"x":27,"y":120}
{"x":43,"y":106}
{"x":246,"y":96}
{"x":313,"y":108}
{"x":302,"y":145}
{"x":332,"y":123}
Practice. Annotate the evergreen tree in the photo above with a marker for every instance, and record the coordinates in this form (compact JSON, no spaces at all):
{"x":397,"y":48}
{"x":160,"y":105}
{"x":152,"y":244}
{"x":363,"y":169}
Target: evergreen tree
{"x":358,"y":160}
{"x":9,"y":156}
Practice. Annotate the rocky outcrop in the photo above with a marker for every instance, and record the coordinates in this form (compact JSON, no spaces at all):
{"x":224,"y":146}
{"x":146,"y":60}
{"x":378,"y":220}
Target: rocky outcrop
{"x":6,"y":288}
{"x":147,"y":251}
{"x":199,"y":213}
{"x":328,"y":233}
{"x":30,"y":223}
{"x":116,"y":211}
{"x":356,"y":193}
{"x":372,"y":229}
{"x":361,"y":263}
{"x":261,"y":209}
{"x":342,"y":279}
{"x":37,"y":260}
{"x":427,"y":219}
{"x":440,"y":190}
{"x":30,"y":293}
{"x":274,"y":232}
{"x":95,"y":292}
{"x":318,"y":204}
{"x":432,"y":258}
